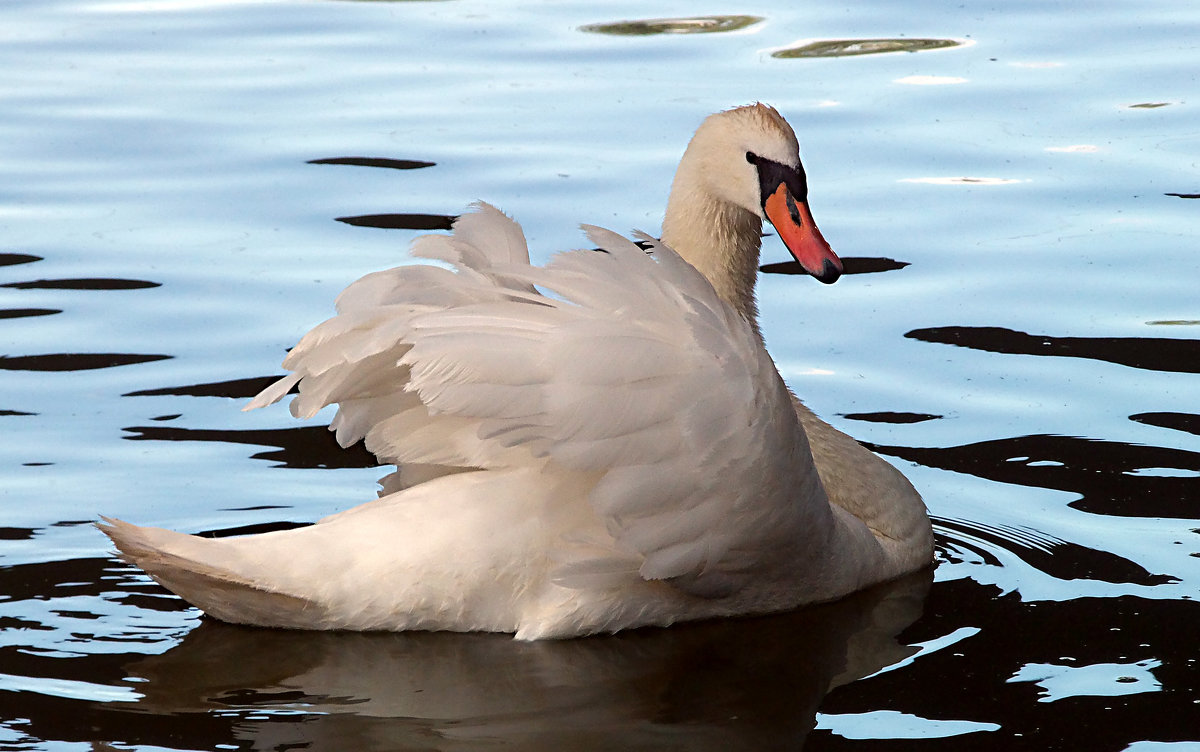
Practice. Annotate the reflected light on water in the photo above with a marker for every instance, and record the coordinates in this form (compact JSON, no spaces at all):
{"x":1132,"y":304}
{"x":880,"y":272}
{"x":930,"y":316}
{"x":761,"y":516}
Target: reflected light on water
{"x":899,"y":726}
{"x":168,"y":6}
{"x":1074,"y":149}
{"x":1059,"y":682}
{"x":963,"y":180}
{"x":930,"y":80}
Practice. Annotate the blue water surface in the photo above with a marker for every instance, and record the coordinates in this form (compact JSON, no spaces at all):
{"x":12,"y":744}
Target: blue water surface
{"x":185,"y":186}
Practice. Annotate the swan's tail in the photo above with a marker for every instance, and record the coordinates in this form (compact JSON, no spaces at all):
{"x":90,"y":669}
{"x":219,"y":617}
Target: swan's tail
{"x":178,"y":562}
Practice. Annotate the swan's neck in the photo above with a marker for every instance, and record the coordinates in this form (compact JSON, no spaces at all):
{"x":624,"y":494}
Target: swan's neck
{"x":718,"y":238}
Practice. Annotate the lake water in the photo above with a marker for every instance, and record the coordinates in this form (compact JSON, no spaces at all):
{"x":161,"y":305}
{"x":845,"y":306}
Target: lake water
{"x":185,"y":186}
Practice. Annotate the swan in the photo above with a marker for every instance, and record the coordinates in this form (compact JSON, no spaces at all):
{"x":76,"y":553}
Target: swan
{"x":596,"y":444}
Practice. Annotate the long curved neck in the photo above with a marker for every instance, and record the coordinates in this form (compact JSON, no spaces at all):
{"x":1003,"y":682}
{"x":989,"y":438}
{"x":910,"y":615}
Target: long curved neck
{"x":718,"y":238}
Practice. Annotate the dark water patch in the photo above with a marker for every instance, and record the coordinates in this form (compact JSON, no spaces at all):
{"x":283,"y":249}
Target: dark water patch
{"x":1058,"y":558}
{"x":67,"y":614}
{"x":402,"y":221}
{"x":85,"y":696}
{"x":12,"y":622}
{"x":1185,"y":195}
{"x":689,"y":25}
{"x":74,"y":361}
{"x":58,"y":579}
{"x":1150,"y":353}
{"x":309,"y":446}
{"x":12,"y":259}
{"x":850,"y":265}
{"x":75,"y":578}
{"x":1111,"y":477}
{"x":161,"y":600}
{"x":975,"y":678}
{"x":72,"y":523}
{"x":392,"y":164}
{"x":1187,"y":422}
{"x":236,"y":389}
{"x":20,"y":313}
{"x":891,"y":417}
{"x":853,"y":47}
{"x":14,"y":412}
{"x":45,"y":664}
{"x":89,"y":283}
{"x":17,"y":533}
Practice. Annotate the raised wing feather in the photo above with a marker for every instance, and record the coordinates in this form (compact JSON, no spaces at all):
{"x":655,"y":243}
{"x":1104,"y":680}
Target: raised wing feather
{"x":630,"y":372}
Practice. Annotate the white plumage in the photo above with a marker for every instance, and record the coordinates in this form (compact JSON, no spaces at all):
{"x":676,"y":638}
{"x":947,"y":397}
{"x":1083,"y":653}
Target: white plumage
{"x":596,"y":444}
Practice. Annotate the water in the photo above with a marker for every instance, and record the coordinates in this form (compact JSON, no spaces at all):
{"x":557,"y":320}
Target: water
{"x":1029,"y":359}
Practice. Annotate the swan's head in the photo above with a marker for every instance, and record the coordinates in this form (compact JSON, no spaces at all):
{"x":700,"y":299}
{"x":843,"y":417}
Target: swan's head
{"x":749,"y":157}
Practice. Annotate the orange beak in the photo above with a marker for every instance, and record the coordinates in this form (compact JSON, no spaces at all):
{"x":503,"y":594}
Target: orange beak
{"x":799,"y":233}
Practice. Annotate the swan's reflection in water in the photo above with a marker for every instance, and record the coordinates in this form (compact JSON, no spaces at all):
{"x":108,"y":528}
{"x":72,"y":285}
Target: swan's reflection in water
{"x":719,"y":685}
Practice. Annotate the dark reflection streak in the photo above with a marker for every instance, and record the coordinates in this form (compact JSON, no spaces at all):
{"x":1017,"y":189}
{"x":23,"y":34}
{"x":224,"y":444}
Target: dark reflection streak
{"x":1103,"y":473}
{"x":11,"y":259}
{"x":1150,"y":353}
{"x":1186,"y":422}
{"x":84,"y":284}
{"x":237,"y":389}
{"x":18,"y":313}
{"x":12,"y":622}
{"x":310,"y":446}
{"x":393,"y":164}
{"x":402,"y":221}
{"x":891,"y":417}
{"x":65,"y":579}
{"x":74,"y":361}
{"x":850,"y":265}
{"x":255,"y":529}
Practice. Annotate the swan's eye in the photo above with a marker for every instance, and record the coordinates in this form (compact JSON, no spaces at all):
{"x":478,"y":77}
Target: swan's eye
{"x":752,"y":158}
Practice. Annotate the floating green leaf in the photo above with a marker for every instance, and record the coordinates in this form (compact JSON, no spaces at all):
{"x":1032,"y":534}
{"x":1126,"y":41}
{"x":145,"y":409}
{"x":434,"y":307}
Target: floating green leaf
{"x":848,"y":47}
{"x":692,"y":25}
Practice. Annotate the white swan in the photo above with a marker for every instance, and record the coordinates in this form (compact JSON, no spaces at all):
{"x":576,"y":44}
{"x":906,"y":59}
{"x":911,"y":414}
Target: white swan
{"x":620,"y":452}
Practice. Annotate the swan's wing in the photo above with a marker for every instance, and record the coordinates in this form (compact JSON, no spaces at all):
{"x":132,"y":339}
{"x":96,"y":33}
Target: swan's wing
{"x":629,"y":372}
{"x":353,"y":359}
{"x":636,"y":373}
